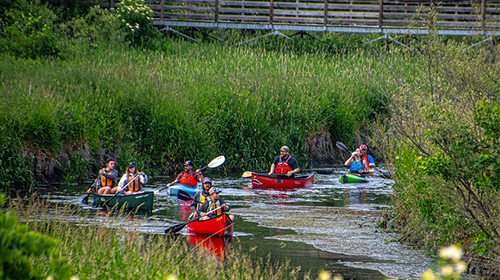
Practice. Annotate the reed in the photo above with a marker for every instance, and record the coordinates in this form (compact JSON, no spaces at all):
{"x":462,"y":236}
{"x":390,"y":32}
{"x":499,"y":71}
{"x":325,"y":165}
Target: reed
{"x":106,"y":245}
{"x":195,"y":102}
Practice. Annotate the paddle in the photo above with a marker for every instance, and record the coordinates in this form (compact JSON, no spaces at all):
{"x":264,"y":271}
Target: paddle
{"x":247,"y":174}
{"x":178,"y":227}
{"x":86,"y":198}
{"x":216,"y":162}
{"x":105,"y":203}
{"x":343,"y":147}
{"x":185,"y":196}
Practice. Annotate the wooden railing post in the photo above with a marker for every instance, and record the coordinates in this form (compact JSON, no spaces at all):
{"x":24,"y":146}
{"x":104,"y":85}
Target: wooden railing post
{"x":216,"y":11}
{"x":325,"y":20}
{"x":380,"y":13}
{"x":271,"y":11}
{"x":483,"y":16}
{"x":162,"y":9}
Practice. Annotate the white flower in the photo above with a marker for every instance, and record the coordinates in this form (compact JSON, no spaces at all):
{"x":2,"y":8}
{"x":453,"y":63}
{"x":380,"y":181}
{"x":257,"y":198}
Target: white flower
{"x":447,"y":270}
{"x":451,"y":253}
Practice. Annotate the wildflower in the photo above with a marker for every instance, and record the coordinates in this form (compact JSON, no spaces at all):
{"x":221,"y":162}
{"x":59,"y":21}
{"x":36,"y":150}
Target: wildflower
{"x":451,"y":253}
{"x":460,"y":267}
{"x":428,"y":275}
{"x":446,"y":270}
{"x":324,"y":275}
{"x":338,"y":277}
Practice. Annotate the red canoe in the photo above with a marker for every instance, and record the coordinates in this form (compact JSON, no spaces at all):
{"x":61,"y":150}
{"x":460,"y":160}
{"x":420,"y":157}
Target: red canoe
{"x":218,"y":226}
{"x":281,"y":181}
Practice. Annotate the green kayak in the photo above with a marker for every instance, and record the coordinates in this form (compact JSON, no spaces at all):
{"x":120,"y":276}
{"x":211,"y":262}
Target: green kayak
{"x":351,"y":178}
{"x":139,"y":201}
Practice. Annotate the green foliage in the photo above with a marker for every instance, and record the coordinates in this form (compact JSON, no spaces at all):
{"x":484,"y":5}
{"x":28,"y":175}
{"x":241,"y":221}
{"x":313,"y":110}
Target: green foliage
{"x":14,"y":168}
{"x":25,"y":254}
{"x":136,"y":18}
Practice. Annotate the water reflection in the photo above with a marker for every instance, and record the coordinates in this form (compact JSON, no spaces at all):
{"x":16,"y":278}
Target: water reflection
{"x":250,"y":231}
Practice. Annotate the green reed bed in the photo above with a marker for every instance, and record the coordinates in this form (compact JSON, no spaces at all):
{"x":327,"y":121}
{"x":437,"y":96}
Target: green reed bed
{"x":194,"y":102}
{"x":120,"y":251}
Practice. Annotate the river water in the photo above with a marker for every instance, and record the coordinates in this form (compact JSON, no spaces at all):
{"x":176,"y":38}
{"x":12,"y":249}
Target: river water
{"x":331,"y":226}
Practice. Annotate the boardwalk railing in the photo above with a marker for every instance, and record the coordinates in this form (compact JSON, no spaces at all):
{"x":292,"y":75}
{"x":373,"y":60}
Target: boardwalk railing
{"x":481,"y":17}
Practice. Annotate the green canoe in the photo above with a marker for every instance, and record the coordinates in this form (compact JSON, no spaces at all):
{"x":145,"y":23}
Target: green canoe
{"x":351,"y":178}
{"x":139,"y":201}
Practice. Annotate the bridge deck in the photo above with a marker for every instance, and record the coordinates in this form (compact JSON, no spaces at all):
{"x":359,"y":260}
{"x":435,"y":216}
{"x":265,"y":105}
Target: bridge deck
{"x":350,"y":16}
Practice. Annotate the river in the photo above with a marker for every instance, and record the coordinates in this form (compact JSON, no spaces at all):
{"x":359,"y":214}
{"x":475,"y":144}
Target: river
{"x":331,"y":226}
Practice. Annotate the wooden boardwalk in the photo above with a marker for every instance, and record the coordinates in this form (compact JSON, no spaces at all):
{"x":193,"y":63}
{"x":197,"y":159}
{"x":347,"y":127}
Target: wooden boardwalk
{"x":353,"y":16}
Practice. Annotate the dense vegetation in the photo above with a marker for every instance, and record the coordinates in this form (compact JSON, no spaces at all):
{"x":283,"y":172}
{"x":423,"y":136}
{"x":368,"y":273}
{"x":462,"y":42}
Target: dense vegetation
{"x":95,"y":94}
{"x":79,"y":87}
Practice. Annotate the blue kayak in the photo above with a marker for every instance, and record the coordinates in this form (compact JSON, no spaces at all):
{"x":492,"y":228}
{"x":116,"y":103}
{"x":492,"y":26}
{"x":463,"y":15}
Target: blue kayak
{"x":174,"y":190}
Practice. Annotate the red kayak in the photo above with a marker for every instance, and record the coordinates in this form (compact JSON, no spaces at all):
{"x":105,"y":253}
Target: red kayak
{"x":218,"y":226}
{"x":282,"y":181}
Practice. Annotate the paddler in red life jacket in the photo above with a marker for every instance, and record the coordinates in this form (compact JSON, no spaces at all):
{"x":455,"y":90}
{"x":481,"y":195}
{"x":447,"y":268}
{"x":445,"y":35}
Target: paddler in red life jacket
{"x":366,"y":156}
{"x":214,"y":206}
{"x":200,"y":198}
{"x":187,"y":178}
{"x":106,"y":179}
{"x":284,"y":163}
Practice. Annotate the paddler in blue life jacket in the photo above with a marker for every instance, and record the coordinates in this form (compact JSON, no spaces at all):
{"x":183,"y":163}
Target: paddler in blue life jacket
{"x":106,"y":179}
{"x":185,"y":176}
{"x":212,"y":203}
{"x":285,"y":163}
{"x":357,"y":164}
{"x":200,"y":197}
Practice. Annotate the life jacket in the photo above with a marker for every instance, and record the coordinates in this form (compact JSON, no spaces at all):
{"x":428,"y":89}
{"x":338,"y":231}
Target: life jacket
{"x":203,"y":198}
{"x":134,"y":186}
{"x":283,"y":167}
{"x":212,"y":205}
{"x":356,"y":166}
{"x":365,"y":157}
{"x":189,"y":181}
{"x":105,"y":182}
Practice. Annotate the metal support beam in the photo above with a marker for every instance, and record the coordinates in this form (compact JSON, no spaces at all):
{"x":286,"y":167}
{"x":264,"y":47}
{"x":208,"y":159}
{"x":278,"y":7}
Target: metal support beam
{"x":274,"y":33}
{"x":168,"y":28}
{"x":476,"y":44}
{"x":387,"y":37}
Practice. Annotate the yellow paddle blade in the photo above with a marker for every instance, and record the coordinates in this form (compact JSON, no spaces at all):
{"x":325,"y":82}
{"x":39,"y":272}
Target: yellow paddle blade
{"x":247,"y":174}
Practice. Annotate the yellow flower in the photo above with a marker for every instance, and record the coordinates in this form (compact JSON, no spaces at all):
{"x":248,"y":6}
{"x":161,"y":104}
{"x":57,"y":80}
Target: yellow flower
{"x":428,"y":275}
{"x":338,"y":277}
{"x":170,"y":277}
{"x":447,"y":270}
{"x":324,"y":275}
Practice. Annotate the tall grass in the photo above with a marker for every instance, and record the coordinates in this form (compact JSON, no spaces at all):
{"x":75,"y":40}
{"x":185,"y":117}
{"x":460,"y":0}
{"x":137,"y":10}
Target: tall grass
{"x":194,"y":102}
{"x":120,"y":251}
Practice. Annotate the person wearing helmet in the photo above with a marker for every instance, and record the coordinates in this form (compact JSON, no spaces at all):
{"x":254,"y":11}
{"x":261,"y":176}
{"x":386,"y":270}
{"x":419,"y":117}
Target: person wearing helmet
{"x":214,"y":206}
{"x":200,"y":197}
{"x":188,"y":177}
{"x":366,"y":156}
{"x":285,"y":163}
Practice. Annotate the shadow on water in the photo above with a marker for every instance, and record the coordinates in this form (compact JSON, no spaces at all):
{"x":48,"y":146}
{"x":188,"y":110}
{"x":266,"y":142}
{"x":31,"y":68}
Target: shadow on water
{"x":314,"y":228}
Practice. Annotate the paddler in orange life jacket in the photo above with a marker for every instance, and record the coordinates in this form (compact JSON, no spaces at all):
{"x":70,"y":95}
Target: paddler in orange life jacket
{"x":187,"y":178}
{"x":212,"y":203}
{"x":106,"y":179}
{"x":200,"y":197}
{"x":285,"y":163}
{"x":132,"y":179}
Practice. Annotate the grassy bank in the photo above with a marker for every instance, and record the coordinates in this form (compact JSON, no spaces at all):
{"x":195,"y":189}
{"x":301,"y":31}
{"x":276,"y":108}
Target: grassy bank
{"x":120,"y":251}
{"x":194,"y":102}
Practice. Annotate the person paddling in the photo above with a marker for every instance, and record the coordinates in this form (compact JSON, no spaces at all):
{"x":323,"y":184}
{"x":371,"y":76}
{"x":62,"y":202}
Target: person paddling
{"x":107,"y":178}
{"x":214,"y":203}
{"x":131,"y":175}
{"x":200,"y":197}
{"x":357,"y":164}
{"x":285,"y":163}
{"x":366,"y":156}
{"x":188,"y":177}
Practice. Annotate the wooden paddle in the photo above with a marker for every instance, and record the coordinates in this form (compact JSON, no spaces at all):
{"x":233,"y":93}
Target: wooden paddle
{"x":105,"y":203}
{"x":92,"y":187}
{"x":343,"y":147}
{"x":247,"y":174}
{"x":216,"y":162}
{"x":176,"y":228}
